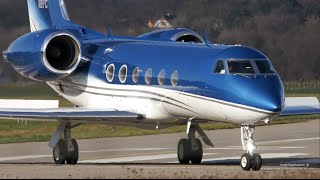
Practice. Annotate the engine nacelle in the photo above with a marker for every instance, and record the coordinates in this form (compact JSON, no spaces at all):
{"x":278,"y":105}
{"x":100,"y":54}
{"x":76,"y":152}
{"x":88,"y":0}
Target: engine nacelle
{"x":45,"y":55}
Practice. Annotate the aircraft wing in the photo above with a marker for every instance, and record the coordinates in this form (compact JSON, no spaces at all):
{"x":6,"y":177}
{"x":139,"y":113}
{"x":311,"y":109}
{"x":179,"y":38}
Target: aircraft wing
{"x":301,"y":106}
{"x":48,"y":110}
{"x":80,"y":115}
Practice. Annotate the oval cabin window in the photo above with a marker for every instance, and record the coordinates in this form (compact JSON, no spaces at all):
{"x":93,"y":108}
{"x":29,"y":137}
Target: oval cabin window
{"x":161,"y":77}
{"x":174,"y":78}
{"x":123,"y":73}
{"x":135,"y":75}
{"x":148,"y":76}
{"x":110,"y":72}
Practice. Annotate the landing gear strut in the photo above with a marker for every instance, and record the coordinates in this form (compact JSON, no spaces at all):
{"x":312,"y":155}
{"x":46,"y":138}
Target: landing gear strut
{"x":65,"y":150}
{"x":249,"y":160}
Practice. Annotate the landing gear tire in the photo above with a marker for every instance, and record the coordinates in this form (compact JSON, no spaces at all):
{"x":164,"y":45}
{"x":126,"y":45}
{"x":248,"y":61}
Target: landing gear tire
{"x":257,"y":162}
{"x":184,"y":151}
{"x":60,"y":152}
{"x":246,"y":162}
{"x":196,"y":156}
{"x":73,"y":156}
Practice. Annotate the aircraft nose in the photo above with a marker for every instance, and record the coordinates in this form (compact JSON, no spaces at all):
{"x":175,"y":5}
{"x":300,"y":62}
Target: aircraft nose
{"x":263,"y":93}
{"x":273,"y":104}
{"x":272,"y":98}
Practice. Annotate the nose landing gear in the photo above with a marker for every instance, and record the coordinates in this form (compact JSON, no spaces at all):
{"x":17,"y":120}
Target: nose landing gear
{"x":249,"y":160}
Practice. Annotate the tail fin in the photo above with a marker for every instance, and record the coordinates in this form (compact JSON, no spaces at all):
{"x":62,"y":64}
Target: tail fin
{"x":46,"y":14}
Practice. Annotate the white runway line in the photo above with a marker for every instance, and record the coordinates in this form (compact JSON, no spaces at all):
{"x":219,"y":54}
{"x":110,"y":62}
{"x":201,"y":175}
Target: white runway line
{"x":282,"y":155}
{"x":126,"y":150}
{"x":259,"y":148}
{"x":136,"y":158}
{"x":23,"y":157}
{"x":289,"y":140}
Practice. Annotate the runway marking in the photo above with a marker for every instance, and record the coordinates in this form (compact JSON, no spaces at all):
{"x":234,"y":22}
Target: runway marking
{"x":289,"y":140}
{"x":293,"y":147}
{"x":136,"y":158}
{"x":260,"y":148}
{"x":282,"y":155}
{"x":24,"y":157}
{"x":126,"y":149}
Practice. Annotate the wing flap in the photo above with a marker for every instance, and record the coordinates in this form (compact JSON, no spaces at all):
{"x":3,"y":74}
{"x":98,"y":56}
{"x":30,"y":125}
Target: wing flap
{"x":301,"y":106}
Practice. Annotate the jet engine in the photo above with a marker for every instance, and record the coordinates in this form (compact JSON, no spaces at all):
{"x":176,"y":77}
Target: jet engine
{"x":45,"y":55}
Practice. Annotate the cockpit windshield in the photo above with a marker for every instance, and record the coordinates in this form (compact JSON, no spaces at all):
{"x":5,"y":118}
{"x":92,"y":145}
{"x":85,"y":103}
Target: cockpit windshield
{"x":244,"y":67}
{"x":240,"y":67}
{"x":265,"y":67}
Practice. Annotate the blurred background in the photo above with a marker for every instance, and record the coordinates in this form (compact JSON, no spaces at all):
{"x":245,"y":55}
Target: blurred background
{"x":287,"y":31}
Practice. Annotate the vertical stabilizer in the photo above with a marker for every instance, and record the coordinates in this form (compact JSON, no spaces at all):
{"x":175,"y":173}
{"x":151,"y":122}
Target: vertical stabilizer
{"x":46,"y":14}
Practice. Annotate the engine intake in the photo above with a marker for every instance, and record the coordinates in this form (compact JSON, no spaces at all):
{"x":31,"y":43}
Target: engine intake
{"x":61,"y":53}
{"x":45,"y":55}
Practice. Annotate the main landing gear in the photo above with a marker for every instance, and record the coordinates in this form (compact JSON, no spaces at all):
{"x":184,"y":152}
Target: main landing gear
{"x":191,"y":149}
{"x":67,"y":149}
{"x":249,"y":160}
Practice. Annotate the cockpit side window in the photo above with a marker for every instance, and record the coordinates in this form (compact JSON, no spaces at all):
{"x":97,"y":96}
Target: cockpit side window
{"x":240,"y":67}
{"x":219,"y":68}
{"x":265,"y":67}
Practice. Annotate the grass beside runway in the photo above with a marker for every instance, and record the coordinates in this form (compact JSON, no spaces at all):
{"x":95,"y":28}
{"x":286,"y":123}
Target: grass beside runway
{"x":14,"y":132}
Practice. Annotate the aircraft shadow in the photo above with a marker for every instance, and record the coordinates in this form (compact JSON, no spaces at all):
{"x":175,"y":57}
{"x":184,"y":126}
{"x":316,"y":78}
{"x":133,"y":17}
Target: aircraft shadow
{"x":275,"y":162}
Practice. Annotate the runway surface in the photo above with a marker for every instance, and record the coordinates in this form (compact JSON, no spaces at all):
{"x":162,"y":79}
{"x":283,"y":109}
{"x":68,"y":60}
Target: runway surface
{"x":288,"y":151}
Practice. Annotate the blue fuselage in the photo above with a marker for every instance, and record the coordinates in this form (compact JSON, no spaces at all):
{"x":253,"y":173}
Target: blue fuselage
{"x":190,"y":65}
{"x":195,"y":64}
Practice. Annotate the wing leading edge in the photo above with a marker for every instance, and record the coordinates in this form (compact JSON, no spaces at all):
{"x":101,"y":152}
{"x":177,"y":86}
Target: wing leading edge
{"x":80,"y":115}
{"x":301,"y":106}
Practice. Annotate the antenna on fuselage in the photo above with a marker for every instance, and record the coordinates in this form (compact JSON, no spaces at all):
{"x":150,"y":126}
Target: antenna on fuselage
{"x":109,"y":33}
{"x":206,"y":39}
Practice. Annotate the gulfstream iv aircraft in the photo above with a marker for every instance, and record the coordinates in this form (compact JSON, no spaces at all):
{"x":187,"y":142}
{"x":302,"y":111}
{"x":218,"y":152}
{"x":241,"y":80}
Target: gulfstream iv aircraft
{"x":153,"y":81}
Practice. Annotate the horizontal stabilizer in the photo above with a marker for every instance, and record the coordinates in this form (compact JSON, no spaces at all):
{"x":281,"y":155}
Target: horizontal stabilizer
{"x":30,"y":104}
{"x":301,"y":106}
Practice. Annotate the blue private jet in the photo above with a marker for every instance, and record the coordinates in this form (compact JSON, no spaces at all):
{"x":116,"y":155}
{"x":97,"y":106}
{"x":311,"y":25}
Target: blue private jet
{"x":157,"y":80}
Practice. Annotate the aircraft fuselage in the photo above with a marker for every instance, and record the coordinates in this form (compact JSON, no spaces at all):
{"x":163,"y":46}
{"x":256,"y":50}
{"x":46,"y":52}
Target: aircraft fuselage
{"x":143,"y":75}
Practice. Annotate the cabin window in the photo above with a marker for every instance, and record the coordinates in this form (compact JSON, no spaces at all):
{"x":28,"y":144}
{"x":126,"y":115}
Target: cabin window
{"x":219,"y":68}
{"x":161,"y":77}
{"x":240,"y":67}
{"x":174,"y":78}
{"x":110,"y":72}
{"x":135,"y":75}
{"x":123,"y":72}
{"x":148,"y":76}
{"x":265,"y":67}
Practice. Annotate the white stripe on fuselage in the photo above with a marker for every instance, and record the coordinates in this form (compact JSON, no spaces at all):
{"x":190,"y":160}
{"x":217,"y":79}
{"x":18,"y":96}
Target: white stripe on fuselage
{"x":161,"y":104}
